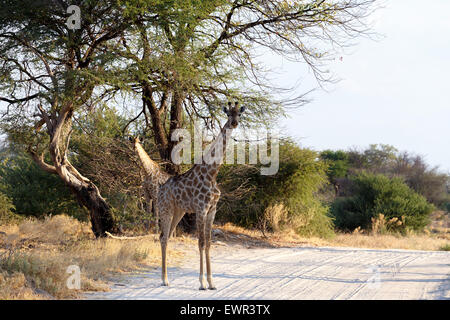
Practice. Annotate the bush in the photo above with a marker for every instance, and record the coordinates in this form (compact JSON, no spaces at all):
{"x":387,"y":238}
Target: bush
{"x":377,"y":194}
{"x":33,"y":191}
{"x":249,"y":196}
{"x":6,"y":210}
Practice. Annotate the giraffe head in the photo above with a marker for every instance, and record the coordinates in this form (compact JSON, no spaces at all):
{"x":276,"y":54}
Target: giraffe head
{"x":136,"y":139}
{"x":234,"y":114}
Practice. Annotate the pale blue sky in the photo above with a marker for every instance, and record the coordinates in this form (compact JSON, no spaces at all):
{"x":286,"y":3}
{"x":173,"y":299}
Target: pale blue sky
{"x":394,"y":90}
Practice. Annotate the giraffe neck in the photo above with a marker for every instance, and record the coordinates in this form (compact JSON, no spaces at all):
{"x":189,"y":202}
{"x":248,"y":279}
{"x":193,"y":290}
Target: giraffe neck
{"x":150,"y":166}
{"x":223,"y":138}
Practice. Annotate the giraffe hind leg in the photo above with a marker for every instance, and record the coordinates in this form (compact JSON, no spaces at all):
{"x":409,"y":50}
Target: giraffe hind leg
{"x":201,"y":246}
{"x":208,"y":228}
{"x":166,"y":219}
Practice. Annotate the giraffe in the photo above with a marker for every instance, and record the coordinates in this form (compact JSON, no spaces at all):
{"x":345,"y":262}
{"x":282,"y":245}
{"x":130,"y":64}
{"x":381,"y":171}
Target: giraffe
{"x":154,"y":176}
{"x":195,"y":191}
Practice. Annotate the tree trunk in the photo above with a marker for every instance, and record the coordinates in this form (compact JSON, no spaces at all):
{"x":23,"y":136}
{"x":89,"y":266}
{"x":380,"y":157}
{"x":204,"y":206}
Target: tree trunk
{"x":336,"y":189}
{"x":99,"y":211}
{"x":176,"y":121}
{"x":59,"y":129}
{"x":188,"y":222}
{"x":157,"y":123}
{"x":88,"y":196}
{"x":163,"y":139}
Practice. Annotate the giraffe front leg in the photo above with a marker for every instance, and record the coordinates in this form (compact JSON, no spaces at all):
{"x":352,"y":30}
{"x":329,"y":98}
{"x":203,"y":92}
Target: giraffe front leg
{"x":165,"y":280}
{"x":164,"y":239}
{"x":209,"y":223}
{"x":201,"y":247}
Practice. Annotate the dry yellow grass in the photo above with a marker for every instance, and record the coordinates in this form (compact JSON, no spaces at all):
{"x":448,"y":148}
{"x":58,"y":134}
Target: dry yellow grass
{"x":275,"y":216}
{"x":34,"y":257}
{"x":410,"y":242}
{"x":35,"y":254}
{"x":426,"y":241}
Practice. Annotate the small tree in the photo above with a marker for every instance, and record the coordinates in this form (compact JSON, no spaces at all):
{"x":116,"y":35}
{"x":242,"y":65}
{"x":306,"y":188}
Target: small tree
{"x":338,"y":165}
{"x":422,"y":178}
{"x":377,"y":194}
{"x":48,"y":73}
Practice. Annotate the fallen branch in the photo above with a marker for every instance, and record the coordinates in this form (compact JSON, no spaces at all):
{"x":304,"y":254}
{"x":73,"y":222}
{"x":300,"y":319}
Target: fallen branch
{"x":124,"y":237}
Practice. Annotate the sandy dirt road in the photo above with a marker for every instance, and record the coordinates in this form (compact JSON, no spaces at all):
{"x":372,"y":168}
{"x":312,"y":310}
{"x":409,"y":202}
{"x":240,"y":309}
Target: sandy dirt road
{"x":297,"y":273}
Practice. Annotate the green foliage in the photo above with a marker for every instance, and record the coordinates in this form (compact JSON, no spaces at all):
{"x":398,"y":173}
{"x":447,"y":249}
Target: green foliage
{"x":34,"y":192}
{"x":6,"y":210}
{"x":299,"y":178}
{"x":376,"y":158}
{"x":386,"y":160}
{"x":375,"y":194}
{"x":338,"y":163}
{"x":379,"y":155}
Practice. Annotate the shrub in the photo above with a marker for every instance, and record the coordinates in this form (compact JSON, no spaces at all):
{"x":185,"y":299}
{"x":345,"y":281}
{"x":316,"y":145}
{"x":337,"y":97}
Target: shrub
{"x":249,"y":196}
{"x":377,"y":194}
{"x":6,"y":210}
{"x":34,"y":192}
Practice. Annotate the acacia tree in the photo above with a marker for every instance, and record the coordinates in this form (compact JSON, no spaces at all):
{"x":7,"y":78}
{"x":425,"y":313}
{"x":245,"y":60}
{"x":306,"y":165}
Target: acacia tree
{"x":188,"y":57}
{"x":48,"y":73}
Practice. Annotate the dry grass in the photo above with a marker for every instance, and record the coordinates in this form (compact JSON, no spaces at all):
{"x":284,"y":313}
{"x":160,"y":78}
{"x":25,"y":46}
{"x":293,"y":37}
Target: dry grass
{"x":427,"y":241}
{"x":34,"y":257}
{"x":382,"y":225}
{"x":274,"y":217}
{"x":35,"y":254}
{"x":386,"y":241}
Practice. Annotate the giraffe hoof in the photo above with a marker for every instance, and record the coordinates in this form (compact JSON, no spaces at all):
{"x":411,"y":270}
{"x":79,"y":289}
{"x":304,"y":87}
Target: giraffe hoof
{"x":202,"y":288}
{"x":212,"y":288}
{"x":165,"y":284}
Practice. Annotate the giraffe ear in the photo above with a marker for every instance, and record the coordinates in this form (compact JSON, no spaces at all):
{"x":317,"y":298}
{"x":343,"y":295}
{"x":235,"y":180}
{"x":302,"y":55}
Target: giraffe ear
{"x":225,"y":109}
{"x":130,"y":138}
{"x":242,"y":109}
